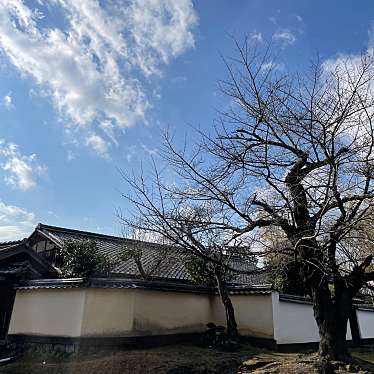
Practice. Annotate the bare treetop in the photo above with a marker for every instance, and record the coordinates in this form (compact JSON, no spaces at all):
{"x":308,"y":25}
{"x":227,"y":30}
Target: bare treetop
{"x":293,"y":152}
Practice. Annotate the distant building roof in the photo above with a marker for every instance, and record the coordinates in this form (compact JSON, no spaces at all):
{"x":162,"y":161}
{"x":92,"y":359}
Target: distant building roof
{"x":159,"y":261}
{"x":16,"y":259}
{"x":11,"y":243}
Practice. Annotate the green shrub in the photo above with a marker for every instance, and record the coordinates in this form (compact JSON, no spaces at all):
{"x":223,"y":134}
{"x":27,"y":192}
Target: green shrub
{"x":82,"y":259}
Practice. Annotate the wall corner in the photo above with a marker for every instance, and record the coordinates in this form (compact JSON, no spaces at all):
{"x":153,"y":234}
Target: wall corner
{"x":275,"y":310}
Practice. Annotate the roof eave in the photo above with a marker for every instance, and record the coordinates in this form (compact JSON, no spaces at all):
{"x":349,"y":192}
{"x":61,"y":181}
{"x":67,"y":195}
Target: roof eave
{"x":48,"y":236}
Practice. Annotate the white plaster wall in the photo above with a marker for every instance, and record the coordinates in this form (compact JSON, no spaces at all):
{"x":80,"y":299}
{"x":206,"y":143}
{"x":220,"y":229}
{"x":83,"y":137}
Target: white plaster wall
{"x":158,"y":312}
{"x":108,"y":312}
{"x":48,"y":312}
{"x":296,"y":324}
{"x":366,"y":323}
{"x":121,"y":312}
{"x":253,"y":313}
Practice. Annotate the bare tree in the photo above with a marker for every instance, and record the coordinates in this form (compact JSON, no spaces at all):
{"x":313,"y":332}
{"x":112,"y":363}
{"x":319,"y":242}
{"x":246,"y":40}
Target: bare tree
{"x":284,"y":271}
{"x":293,"y":152}
{"x":358,"y":245}
{"x":211,"y":274}
{"x":307,"y":141}
{"x":152,"y":256}
{"x":201,"y":231}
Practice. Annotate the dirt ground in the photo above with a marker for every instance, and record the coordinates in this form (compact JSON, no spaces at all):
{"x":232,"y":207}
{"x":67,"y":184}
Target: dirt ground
{"x":183,"y":359}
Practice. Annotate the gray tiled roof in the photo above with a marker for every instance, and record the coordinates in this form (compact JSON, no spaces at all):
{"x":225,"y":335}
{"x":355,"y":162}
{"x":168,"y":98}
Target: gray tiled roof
{"x":161,"y":285}
{"x":10,"y":243}
{"x":159,"y":261}
{"x":14,"y":269}
{"x":17,"y":258}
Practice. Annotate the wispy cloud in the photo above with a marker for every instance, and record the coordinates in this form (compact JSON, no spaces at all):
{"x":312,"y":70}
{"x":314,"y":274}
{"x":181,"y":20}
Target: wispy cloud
{"x":132,"y":151}
{"x":8,"y":101}
{"x":52,"y":214}
{"x":350,"y":61}
{"x":95,"y":67}
{"x":273,"y":20}
{"x":272,"y":65}
{"x":285,"y":36}
{"x":151,"y":151}
{"x":371,"y":36}
{"x":71,"y":155}
{"x":179,"y":79}
{"x":22,"y":171}
{"x":257,"y":36}
{"x":98,"y":144}
{"x":15,"y":222}
{"x":349,"y":66}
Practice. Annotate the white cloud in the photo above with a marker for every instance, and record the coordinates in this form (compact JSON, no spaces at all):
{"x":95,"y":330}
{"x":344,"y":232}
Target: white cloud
{"x":23,"y":170}
{"x":15,"y":222}
{"x":179,"y":79}
{"x":159,"y":30}
{"x":272,"y":65}
{"x":371,"y":36}
{"x":150,"y":150}
{"x":257,"y":36}
{"x":285,"y":36}
{"x":95,"y":67}
{"x":350,"y":62}
{"x":341,"y":62}
{"x":349,"y":67}
{"x":109,"y":129}
{"x":98,"y":144}
{"x":273,"y":19}
{"x":132,"y":152}
{"x":7,"y":101}
{"x":52,"y":214}
{"x":71,"y":155}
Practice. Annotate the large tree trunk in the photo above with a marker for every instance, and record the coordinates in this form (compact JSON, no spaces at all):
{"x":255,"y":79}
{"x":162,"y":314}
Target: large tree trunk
{"x":332,"y":318}
{"x":232,"y":327}
{"x":331,"y":307}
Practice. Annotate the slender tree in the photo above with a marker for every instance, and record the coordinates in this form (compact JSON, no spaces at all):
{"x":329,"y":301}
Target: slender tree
{"x":155,"y":261}
{"x":216,"y":275}
{"x":208,"y":247}
{"x":293,"y":152}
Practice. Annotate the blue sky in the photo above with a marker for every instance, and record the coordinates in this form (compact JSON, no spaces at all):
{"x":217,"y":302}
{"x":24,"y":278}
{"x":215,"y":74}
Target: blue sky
{"x":87,"y":88}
